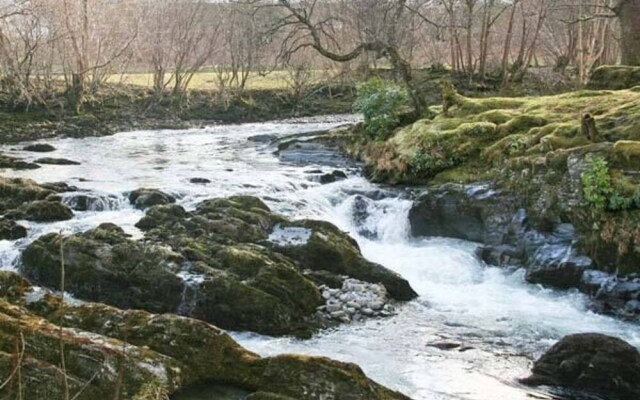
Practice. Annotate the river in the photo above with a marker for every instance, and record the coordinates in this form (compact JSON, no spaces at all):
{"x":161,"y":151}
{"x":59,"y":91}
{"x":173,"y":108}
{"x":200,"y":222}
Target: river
{"x":498,"y":321}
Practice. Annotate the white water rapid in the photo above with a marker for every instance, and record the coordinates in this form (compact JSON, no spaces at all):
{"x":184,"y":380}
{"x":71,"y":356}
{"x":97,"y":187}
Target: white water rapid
{"x":500,"y":321}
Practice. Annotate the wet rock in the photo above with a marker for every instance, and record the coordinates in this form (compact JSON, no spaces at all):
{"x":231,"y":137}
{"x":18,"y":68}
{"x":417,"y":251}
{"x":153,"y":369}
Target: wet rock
{"x":445,"y":345}
{"x":56,"y":161}
{"x":39,"y":148}
{"x":476,"y":213}
{"x":160,"y":354}
{"x":590,"y":362}
{"x":15,"y":192}
{"x":92,"y":202}
{"x":15,"y":163}
{"x":9,"y":230}
{"x":200,"y":181}
{"x":145,"y":198}
{"x":104,"y":265}
{"x":332,"y":177}
{"x":329,"y":249}
{"x":59,"y":187}
{"x":265,"y":138}
{"x":42,"y":211}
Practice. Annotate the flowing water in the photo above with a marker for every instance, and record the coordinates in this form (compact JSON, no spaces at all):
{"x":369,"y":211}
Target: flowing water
{"x":499,"y":322}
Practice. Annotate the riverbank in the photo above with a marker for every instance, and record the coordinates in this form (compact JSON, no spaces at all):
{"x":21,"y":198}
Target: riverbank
{"x":117,"y":108}
{"x":524,"y":177}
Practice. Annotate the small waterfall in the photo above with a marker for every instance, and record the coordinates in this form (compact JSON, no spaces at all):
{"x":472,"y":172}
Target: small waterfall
{"x":96,"y":202}
{"x":385,"y":220}
{"x":190,"y":290}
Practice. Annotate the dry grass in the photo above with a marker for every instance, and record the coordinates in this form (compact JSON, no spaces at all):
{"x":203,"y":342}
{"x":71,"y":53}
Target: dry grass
{"x":209,"y":80}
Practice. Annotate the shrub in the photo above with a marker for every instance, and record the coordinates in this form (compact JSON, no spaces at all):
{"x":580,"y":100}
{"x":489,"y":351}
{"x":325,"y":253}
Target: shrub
{"x":596,"y":183}
{"x":381,"y":103}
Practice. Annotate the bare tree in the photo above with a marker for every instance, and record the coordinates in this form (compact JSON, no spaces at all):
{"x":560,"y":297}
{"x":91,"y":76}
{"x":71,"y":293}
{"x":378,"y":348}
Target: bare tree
{"x":381,"y":36}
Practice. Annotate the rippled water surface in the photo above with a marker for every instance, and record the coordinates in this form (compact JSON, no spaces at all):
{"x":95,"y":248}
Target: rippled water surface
{"x":499,"y":321}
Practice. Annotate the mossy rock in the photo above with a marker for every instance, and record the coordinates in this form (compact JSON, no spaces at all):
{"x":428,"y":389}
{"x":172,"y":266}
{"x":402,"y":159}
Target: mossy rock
{"x":43,"y":211}
{"x":14,"y":192}
{"x":626,"y":155}
{"x":615,"y":77}
{"x":329,"y":249}
{"x":16,"y":163}
{"x":113,"y":353}
{"x":9,"y":230}
{"x":145,"y":198}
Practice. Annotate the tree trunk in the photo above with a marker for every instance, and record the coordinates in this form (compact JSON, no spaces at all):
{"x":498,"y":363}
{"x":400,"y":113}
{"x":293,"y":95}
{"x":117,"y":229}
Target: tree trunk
{"x":629,"y":16}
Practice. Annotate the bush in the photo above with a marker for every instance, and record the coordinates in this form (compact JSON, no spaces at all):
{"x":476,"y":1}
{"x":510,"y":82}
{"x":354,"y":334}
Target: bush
{"x":599,"y":191}
{"x":596,"y":183}
{"x":381,"y":103}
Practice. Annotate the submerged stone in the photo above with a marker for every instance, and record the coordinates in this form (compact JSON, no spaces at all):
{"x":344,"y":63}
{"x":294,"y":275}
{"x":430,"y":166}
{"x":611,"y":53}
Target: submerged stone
{"x":39,"y":148}
{"x":56,"y":161}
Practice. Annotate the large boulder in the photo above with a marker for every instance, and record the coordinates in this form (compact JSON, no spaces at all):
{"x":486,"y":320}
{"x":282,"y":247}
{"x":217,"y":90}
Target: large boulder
{"x":113,"y":353}
{"x":476,"y":213}
{"x":321,"y":246}
{"x":590,"y":362}
{"x":145,"y":198}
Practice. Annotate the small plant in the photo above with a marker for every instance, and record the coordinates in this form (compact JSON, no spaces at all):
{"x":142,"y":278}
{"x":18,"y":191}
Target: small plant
{"x":381,"y":103}
{"x":427,"y":164}
{"x":596,"y":183}
{"x":599,"y":190}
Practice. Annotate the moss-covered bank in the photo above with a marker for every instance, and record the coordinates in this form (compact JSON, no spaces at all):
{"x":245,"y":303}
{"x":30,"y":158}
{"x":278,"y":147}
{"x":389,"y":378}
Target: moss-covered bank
{"x":535,"y":149}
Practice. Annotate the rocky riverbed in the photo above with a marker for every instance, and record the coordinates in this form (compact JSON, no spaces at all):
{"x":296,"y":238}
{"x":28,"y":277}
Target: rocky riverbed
{"x":252,"y":240}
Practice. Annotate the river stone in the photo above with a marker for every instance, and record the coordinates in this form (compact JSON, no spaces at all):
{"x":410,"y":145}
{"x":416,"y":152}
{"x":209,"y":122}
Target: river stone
{"x":56,"y":161}
{"x":332,"y":177}
{"x":161,"y":354}
{"x":15,"y":163}
{"x":200,"y":181}
{"x":9,"y":230}
{"x":590,"y":362}
{"x":39,"y":148}
{"x":145,"y":198}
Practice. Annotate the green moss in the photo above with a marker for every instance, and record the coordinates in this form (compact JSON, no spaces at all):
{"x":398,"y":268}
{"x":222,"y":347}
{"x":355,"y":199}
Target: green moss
{"x":626,"y":154}
{"x":615,"y":77}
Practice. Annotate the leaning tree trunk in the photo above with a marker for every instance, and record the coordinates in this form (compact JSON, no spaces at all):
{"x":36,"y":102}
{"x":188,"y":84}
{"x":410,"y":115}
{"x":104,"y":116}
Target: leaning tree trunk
{"x":629,"y":16}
